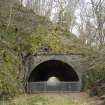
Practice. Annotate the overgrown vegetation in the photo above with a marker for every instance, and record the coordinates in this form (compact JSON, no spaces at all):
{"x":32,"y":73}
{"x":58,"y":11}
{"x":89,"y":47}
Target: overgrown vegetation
{"x":95,"y":76}
{"x":15,"y":29}
{"x":55,"y":38}
{"x":22,"y":32}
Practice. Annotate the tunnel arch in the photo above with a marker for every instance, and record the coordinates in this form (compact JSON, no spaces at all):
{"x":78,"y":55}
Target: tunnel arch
{"x":69,"y":65}
{"x":53,"y":68}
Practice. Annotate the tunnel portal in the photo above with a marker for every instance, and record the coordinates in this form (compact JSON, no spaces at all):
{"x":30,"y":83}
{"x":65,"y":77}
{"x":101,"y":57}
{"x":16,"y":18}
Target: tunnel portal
{"x":53,"y":68}
{"x":65,"y":73}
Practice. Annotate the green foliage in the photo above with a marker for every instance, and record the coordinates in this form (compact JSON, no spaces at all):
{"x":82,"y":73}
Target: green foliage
{"x":22,"y":32}
{"x":56,"y":39}
{"x":8,"y":81}
{"x":29,"y":33}
{"x":96,"y":67}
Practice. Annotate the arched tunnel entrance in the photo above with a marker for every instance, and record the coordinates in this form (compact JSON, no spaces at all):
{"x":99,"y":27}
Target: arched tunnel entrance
{"x":54,"y":75}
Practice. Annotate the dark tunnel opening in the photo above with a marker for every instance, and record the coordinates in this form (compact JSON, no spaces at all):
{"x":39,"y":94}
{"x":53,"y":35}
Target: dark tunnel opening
{"x":53,"y":68}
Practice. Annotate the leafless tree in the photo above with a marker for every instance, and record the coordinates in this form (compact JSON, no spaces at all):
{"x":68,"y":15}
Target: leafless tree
{"x":92,"y":23}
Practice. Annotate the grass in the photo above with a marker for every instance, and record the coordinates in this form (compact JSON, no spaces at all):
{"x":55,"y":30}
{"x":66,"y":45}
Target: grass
{"x":33,"y":100}
{"x":6,"y":103}
{"x":48,"y":99}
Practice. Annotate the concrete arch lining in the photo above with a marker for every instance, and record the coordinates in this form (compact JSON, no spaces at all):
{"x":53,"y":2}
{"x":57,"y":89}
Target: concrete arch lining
{"x":71,"y":60}
{"x":51,"y":68}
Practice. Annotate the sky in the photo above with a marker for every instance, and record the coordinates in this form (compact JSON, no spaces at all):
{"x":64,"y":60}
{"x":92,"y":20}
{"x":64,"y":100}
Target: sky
{"x":78,"y":20}
{"x":77,"y":12}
